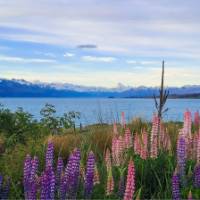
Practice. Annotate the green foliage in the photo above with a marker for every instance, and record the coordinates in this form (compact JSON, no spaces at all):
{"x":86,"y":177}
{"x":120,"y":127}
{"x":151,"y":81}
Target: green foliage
{"x":54,"y":123}
{"x":17,"y":126}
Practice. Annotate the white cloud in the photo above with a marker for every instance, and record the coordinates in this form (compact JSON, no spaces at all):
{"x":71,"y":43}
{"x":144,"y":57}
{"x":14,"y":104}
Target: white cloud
{"x":24,"y":60}
{"x":131,"y":62}
{"x":146,"y":62}
{"x":98,"y":59}
{"x":67,"y":54}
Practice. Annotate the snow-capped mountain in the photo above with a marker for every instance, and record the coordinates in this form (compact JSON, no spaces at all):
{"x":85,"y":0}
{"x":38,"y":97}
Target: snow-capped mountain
{"x":23,"y":88}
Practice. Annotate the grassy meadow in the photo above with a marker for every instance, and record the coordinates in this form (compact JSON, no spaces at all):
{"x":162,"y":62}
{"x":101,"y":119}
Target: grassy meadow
{"x":134,"y":160}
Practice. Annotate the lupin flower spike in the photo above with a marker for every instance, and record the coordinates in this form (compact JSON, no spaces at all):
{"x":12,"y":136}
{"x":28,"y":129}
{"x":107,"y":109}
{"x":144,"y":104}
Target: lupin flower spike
{"x":89,"y":176}
{"x":154,"y":137}
{"x":130,"y":182}
{"x":176,"y":186}
{"x":110,"y":183}
{"x":49,"y":154}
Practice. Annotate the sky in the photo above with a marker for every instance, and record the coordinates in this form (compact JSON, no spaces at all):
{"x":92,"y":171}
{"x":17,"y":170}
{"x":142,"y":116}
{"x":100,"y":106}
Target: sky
{"x":101,"y":42}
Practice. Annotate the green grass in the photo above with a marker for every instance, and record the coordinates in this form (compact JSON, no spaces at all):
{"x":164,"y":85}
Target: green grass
{"x":153,"y":176}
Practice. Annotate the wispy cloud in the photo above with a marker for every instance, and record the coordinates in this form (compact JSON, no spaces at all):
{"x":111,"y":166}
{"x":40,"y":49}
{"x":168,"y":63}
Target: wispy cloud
{"x":107,"y":36}
{"x":68,"y":54}
{"x":146,"y":62}
{"x":87,"y":46}
{"x":14,"y":59}
{"x":98,"y":59}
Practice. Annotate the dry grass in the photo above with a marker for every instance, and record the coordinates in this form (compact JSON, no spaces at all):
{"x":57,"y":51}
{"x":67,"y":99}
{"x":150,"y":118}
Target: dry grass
{"x":64,"y":144}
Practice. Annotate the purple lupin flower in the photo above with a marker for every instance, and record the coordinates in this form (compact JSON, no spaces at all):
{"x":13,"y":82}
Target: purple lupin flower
{"x":48,"y":184}
{"x":59,"y":171}
{"x":175,"y":187}
{"x":65,"y":179}
{"x":197,"y":176}
{"x":89,"y":177}
{"x":44,"y":187}
{"x":70,"y":181}
{"x":49,"y":154}
{"x":62,"y":190}
{"x":74,"y":175}
{"x":52,"y":182}
{"x":32,"y":193}
{"x":1,"y":181}
{"x":27,"y":173}
{"x":34,"y":168}
{"x":4,"y":193}
{"x":181,"y":157}
{"x":121,"y":187}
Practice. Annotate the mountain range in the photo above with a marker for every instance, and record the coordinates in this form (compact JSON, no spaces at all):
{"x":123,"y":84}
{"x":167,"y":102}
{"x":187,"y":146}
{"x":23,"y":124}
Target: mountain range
{"x":23,"y":88}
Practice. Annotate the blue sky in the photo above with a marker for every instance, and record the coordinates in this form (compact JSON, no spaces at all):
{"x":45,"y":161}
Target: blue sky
{"x":100,"y":42}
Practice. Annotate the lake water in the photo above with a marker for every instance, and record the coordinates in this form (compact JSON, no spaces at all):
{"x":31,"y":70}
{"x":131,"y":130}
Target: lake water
{"x":106,"y":110}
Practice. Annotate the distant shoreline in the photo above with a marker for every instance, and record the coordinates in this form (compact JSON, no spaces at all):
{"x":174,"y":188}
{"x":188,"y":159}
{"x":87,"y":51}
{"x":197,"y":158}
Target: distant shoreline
{"x":51,"y":97}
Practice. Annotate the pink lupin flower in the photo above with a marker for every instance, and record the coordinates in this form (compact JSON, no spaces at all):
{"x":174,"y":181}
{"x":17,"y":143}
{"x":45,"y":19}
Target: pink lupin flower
{"x":123,"y":120}
{"x":187,"y":124}
{"x":154,"y":137}
{"x":110,"y":183}
{"x":128,"y":139}
{"x":137,"y":145}
{"x":130,"y":182}
{"x":115,"y":131}
{"x":196,"y":119}
{"x":118,"y":150}
{"x":144,"y":146}
{"x":107,"y":159}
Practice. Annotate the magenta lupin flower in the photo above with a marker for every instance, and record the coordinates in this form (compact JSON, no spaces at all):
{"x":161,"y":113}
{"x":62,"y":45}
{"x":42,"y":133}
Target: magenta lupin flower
{"x":130,"y":182}
{"x":49,"y":154}
{"x":175,"y":187}
{"x":89,"y":177}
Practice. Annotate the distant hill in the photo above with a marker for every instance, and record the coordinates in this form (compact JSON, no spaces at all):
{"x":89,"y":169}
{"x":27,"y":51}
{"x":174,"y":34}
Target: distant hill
{"x":22,"y":88}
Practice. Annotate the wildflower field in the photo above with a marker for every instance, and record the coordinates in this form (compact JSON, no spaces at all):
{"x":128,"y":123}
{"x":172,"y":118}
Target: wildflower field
{"x":135,"y":160}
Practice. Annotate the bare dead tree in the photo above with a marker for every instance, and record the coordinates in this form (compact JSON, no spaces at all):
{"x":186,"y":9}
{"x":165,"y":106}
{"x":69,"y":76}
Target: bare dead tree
{"x":163,"y":95}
